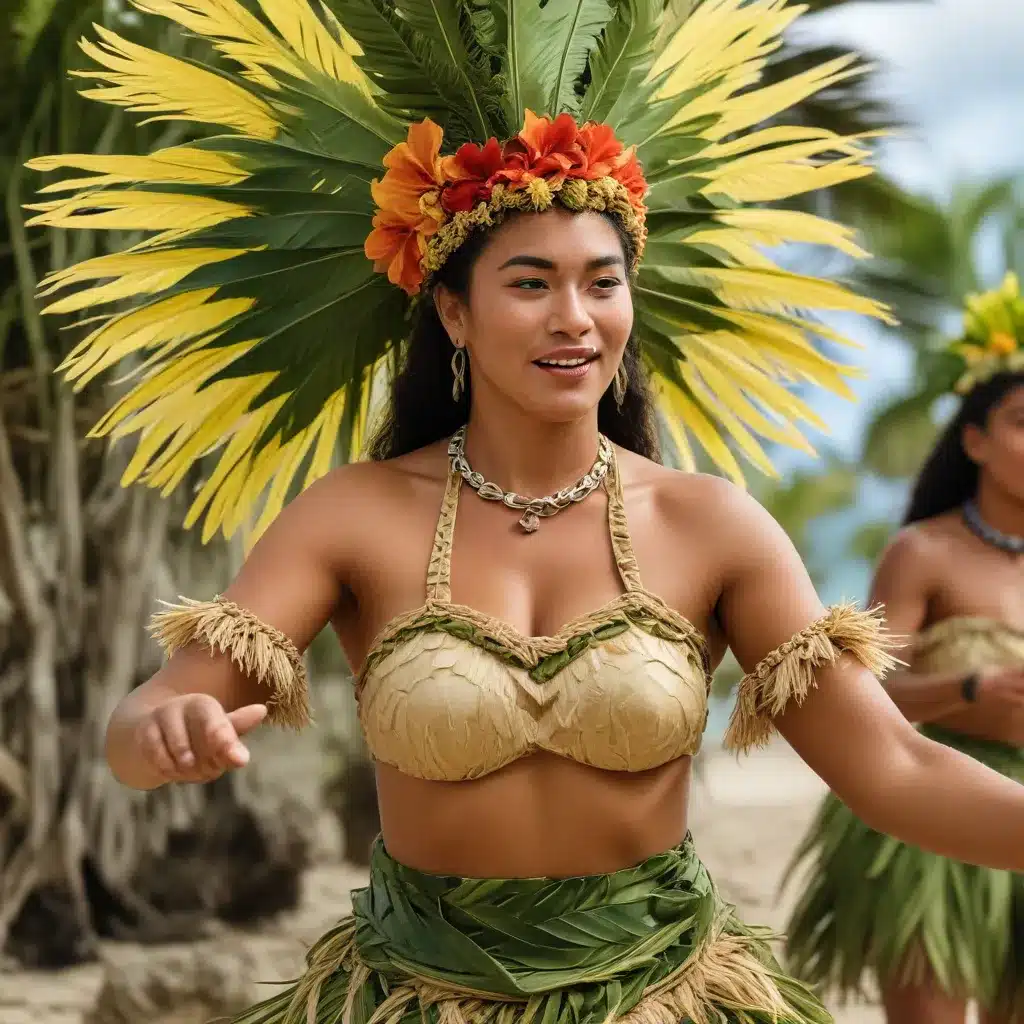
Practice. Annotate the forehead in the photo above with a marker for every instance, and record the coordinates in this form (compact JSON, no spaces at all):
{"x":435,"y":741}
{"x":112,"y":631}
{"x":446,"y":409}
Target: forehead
{"x":1014,"y":400}
{"x":555,"y":235}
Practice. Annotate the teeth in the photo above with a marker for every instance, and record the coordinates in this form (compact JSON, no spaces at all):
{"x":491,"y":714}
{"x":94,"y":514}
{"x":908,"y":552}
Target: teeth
{"x":562,"y":362}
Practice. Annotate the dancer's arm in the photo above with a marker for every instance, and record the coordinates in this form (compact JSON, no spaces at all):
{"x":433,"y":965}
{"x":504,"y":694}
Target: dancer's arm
{"x":185,"y":723}
{"x":846,"y":727}
{"x":903,"y":584}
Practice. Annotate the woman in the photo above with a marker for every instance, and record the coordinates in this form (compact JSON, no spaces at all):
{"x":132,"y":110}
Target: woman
{"x":936,"y":933}
{"x":532,"y":673}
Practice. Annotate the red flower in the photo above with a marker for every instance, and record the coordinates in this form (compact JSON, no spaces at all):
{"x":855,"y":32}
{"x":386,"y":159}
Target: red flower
{"x":468,"y":175}
{"x":543,"y":149}
{"x":603,"y":150}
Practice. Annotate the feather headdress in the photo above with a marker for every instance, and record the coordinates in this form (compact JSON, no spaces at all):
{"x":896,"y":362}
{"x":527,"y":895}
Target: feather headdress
{"x":993,"y":335}
{"x":272,"y":286}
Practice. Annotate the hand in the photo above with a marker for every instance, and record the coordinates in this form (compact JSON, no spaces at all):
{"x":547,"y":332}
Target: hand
{"x":1003,"y":687}
{"x":193,"y":739}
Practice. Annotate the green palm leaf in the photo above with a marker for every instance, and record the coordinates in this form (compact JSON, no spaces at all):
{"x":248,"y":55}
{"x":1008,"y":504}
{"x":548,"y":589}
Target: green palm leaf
{"x":623,"y":56}
{"x":445,"y":32}
{"x":547,"y":49}
{"x":417,"y":77}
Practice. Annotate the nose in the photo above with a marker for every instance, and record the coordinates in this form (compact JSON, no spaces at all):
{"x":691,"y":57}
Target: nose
{"x":570,"y":315}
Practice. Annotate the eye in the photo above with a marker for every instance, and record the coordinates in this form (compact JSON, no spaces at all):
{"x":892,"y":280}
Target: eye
{"x":606,"y":284}
{"x":530,"y":284}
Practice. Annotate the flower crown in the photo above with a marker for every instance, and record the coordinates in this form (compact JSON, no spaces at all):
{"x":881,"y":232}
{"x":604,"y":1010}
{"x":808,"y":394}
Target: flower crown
{"x":993,"y":337}
{"x":428,"y":205}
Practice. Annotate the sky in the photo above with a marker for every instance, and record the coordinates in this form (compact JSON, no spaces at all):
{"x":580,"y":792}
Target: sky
{"x":955,"y":70}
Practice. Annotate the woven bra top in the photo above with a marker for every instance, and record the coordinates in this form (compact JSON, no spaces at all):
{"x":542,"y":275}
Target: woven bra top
{"x":449,"y":693}
{"x":966,"y":643}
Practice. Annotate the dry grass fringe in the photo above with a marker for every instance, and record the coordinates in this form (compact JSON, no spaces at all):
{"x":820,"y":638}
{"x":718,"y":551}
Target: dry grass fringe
{"x":724,"y":980}
{"x":787,"y":674}
{"x":259,"y":650}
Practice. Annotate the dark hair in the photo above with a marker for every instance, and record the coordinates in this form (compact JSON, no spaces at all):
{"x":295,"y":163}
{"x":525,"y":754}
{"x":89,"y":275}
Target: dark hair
{"x":949,"y":477}
{"x":421,"y":410}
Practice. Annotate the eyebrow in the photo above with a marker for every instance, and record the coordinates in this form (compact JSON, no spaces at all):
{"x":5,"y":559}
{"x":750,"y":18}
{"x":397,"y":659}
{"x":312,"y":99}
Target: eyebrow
{"x":539,"y":263}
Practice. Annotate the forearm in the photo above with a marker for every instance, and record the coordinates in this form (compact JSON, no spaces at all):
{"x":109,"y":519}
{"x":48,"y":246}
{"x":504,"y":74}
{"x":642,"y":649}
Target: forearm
{"x":934,"y":797}
{"x":925,"y":698}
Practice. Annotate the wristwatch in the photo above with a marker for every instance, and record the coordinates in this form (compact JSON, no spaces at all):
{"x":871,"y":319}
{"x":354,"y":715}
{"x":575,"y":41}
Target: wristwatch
{"x":969,"y":688}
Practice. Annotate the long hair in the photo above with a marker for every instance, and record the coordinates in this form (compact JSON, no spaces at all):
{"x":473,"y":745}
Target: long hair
{"x":949,"y":477}
{"x":421,"y":410}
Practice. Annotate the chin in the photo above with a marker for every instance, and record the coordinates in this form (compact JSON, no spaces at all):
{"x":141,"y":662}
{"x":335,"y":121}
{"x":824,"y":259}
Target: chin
{"x":563,"y":408}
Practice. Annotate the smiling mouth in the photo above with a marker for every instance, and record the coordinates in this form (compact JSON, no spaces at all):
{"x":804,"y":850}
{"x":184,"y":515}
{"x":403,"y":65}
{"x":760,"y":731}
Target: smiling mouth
{"x":573,"y":363}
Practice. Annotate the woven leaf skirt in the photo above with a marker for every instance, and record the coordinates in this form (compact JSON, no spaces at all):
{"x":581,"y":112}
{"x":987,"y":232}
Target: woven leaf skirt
{"x":874,"y":906}
{"x":651,"y":944}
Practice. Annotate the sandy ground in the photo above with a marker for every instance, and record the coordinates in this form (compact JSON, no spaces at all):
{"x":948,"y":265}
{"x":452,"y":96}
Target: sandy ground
{"x":748,"y":815}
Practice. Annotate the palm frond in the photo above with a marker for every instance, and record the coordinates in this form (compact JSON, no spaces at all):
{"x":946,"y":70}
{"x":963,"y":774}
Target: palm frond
{"x":623,"y":57}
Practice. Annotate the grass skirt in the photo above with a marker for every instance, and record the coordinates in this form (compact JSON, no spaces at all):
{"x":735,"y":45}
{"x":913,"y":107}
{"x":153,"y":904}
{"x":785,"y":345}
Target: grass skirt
{"x":652,"y":944}
{"x":874,"y":905}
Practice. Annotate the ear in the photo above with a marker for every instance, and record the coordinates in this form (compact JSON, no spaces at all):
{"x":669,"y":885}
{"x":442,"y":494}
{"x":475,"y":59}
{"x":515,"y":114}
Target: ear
{"x":451,"y":311}
{"x":974,"y":442}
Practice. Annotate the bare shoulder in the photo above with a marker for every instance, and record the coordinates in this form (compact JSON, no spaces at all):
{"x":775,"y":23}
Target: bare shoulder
{"x":920,"y":550}
{"x":352,"y":504}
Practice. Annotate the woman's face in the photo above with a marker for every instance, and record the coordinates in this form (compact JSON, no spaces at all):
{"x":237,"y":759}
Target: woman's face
{"x":999,"y":448}
{"x":548,"y":314}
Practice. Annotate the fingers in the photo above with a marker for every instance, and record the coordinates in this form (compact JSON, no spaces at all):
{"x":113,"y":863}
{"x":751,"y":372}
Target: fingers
{"x":154,"y":750}
{"x":246,"y":719}
{"x":214,"y":739}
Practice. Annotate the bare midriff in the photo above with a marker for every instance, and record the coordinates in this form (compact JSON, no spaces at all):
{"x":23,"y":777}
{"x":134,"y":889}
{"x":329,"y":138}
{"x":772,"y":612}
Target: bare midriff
{"x":542,"y":815}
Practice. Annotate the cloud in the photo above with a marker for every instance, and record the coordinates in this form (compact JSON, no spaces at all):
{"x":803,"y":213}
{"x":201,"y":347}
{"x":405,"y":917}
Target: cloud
{"x":954,"y":68}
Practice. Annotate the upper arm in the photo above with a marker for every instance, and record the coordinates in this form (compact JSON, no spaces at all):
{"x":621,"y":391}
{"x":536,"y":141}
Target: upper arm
{"x":902,"y":583}
{"x":287,"y":590}
{"x":811,"y":672}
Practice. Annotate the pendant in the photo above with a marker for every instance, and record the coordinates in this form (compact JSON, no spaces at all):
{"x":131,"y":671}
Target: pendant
{"x":529,"y":521}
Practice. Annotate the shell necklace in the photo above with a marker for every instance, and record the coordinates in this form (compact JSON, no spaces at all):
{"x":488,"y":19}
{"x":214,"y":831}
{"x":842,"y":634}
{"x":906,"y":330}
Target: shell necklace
{"x":533,"y":509}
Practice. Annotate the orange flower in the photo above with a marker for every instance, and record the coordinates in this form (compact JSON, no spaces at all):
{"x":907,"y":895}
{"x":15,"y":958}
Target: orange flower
{"x":543,"y":149}
{"x":408,"y":210}
{"x":1002,"y":343}
{"x":629,"y":174}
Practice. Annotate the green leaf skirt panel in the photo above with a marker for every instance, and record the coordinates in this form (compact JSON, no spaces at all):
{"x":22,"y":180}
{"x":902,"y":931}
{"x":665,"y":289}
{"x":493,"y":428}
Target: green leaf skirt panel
{"x":651,"y":944}
{"x":875,"y":906}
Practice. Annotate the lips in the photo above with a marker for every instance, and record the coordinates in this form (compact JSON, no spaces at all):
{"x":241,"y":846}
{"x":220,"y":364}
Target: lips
{"x":567,"y":358}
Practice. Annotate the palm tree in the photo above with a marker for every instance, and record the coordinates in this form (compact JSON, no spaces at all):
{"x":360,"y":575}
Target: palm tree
{"x":930,"y":254}
{"x":81,"y":562}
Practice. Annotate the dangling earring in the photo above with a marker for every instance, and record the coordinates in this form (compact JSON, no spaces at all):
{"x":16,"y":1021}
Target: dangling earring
{"x":619,"y":385}
{"x":458,"y":372}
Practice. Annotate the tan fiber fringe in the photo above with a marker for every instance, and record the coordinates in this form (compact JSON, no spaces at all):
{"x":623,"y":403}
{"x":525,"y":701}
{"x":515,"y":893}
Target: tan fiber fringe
{"x":787,"y":673}
{"x":725,"y":974}
{"x":259,"y":650}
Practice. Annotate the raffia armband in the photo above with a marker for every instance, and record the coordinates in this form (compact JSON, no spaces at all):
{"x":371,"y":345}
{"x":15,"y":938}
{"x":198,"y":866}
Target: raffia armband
{"x":787,"y":673}
{"x":260,"y":651}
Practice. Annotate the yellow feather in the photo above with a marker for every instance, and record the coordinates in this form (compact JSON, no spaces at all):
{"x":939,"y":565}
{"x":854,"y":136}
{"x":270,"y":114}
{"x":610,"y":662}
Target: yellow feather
{"x":753,"y":288}
{"x":176,"y":319}
{"x":721,"y":384}
{"x":327,"y":442}
{"x":151,"y":82}
{"x":133,"y":274}
{"x":695,"y":420}
{"x":732,"y":354}
{"x":134,"y":264}
{"x":177,"y":165}
{"x":285,"y":471}
{"x":715,"y":406}
{"x":758,"y":105}
{"x":778,"y":227}
{"x":136,"y":211}
{"x":774,"y":183}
